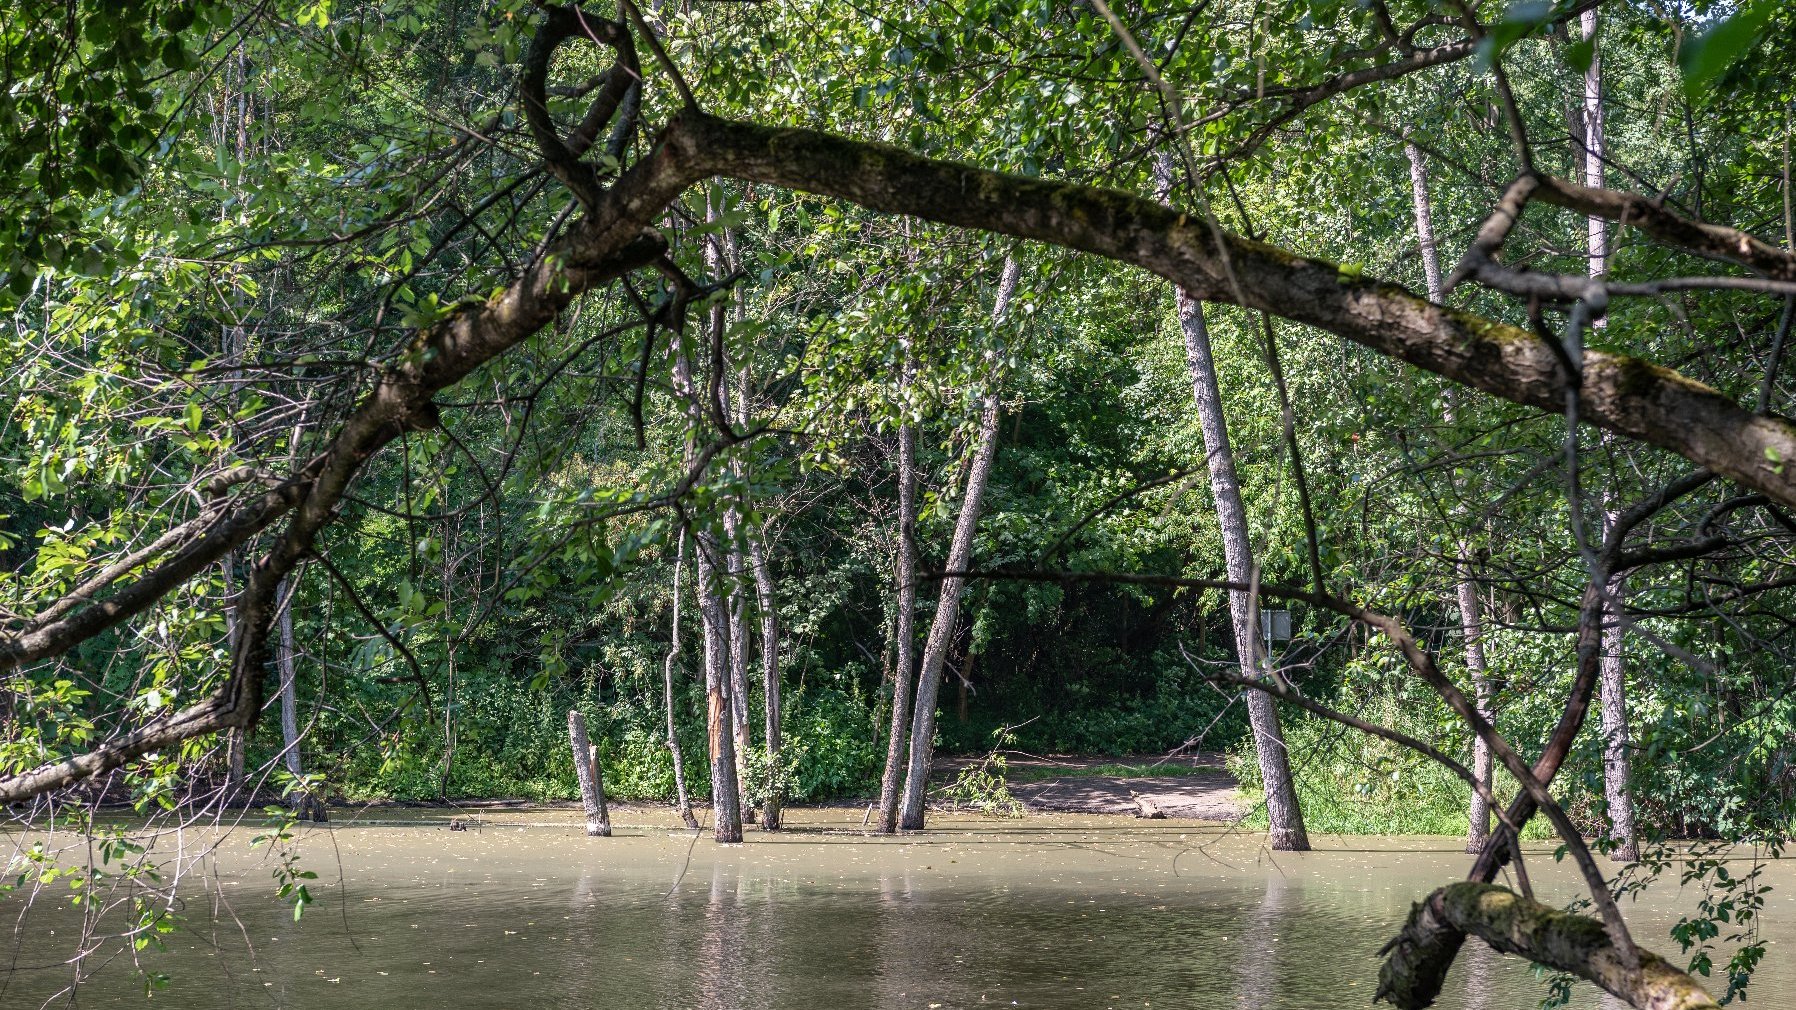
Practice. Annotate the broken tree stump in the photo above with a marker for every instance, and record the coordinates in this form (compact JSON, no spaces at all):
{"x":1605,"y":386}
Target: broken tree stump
{"x":592,"y":782}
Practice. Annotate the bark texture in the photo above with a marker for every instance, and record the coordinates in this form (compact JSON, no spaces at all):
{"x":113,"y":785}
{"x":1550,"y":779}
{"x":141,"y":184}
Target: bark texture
{"x":1614,"y":685}
{"x":947,"y":611}
{"x":768,"y":604}
{"x":1471,"y":620}
{"x":903,"y":624}
{"x":592,"y":781}
{"x":1418,"y":958}
{"x":682,"y":798}
{"x":1283,"y":814}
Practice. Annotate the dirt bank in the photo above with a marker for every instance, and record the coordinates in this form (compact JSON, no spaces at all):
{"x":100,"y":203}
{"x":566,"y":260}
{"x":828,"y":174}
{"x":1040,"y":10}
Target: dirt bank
{"x":1197,"y":786}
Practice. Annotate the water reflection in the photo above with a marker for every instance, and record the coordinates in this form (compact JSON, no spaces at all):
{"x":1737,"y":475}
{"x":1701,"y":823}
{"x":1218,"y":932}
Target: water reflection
{"x":1071,"y":918}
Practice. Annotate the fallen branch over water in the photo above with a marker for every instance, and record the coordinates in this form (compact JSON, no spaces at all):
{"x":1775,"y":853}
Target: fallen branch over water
{"x":1420,"y":955}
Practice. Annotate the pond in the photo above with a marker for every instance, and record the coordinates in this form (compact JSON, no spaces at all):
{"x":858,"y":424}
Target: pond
{"x":1053,"y":911}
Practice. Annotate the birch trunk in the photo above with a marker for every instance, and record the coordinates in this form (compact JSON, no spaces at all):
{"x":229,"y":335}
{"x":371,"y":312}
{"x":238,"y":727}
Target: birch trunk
{"x":1613,"y":670}
{"x":904,"y":630}
{"x":592,"y":780}
{"x":947,"y":611}
{"x":737,"y":602}
{"x":682,"y":799}
{"x":726,"y":809}
{"x":770,"y":675}
{"x":1471,"y":619}
{"x":234,"y":737}
{"x":1283,"y":814}
{"x":311,"y":807}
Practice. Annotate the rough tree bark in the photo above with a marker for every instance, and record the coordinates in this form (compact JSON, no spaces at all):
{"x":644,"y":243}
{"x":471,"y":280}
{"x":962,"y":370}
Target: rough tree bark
{"x":1471,"y":620}
{"x":1623,"y":838}
{"x":682,"y":798}
{"x":904,"y":624}
{"x":768,"y":603}
{"x":1439,"y":924}
{"x":592,"y":779}
{"x":947,"y":611}
{"x":726,"y":808}
{"x":311,"y":806}
{"x":1283,"y":814}
{"x":718,"y":263}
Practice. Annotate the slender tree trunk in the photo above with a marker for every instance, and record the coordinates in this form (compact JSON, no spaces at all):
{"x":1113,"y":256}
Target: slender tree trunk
{"x":770,"y":675}
{"x":947,"y":611}
{"x":235,"y":738}
{"x":726,"y":797}
{"x":718,"y":262}
{"x":726,"y":809}
{"x":682,"y":799}
{"x":904,"y":630}
{"x":1471,"y":619}
{"x":1283,"y":814}
{"x":311,"y":807}
{"x":592,"y":779}
{"x":1613,"y":671}
{"x":737,"y":601}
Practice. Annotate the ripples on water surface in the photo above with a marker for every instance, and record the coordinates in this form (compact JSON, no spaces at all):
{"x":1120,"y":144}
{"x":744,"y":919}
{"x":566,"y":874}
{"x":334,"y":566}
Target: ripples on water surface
{"x":1051,"y":912}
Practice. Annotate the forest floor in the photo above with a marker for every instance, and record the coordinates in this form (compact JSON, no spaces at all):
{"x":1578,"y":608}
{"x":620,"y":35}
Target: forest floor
{"x":1197,"y":785}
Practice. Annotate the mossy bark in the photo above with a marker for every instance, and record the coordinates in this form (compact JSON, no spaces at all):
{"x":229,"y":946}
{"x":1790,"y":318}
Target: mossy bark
{"x":1419,"y":956}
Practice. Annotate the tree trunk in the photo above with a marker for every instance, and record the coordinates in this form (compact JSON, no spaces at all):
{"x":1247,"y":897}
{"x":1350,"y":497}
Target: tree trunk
{"x":947,"y":611}
{"x":1471,"y":620}
{"x":1614,"y":681}
{"x":1284,"y":816}
{"x":310,"y":807}
{"x":592,"y":779}
{"x":738,"y":615}
{"x":726,"y":809}
{"x":905,"y":622}
{"x":1411,"y":976}
{"x":682,"y":799}
{"x":235,"y":736}
{"x":770,"y":676}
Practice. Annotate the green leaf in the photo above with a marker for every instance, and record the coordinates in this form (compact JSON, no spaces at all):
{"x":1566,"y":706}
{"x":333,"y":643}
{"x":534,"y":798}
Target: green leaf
{"x":1706,"y":56}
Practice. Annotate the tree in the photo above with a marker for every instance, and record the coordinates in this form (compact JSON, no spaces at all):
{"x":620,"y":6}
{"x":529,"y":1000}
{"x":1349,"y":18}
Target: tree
{"x":960,"y":554}
{"x":1283,"y":813}
{"x":402,"y":311}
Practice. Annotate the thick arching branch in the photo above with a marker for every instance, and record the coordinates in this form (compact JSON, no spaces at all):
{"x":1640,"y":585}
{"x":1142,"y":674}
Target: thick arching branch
{"x":1510,"y":923}
{"x":1621,"y":393}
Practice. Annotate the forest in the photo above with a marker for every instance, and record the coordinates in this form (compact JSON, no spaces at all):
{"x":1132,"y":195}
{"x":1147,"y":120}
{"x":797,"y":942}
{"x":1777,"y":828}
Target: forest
{"x":739,"y":408}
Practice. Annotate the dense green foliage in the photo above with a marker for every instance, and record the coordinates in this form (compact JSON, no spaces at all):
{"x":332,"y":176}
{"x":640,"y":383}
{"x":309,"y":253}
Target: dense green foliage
{"x":226,"y":227}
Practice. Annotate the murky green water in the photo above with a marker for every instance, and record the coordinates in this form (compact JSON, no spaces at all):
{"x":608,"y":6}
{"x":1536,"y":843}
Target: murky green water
{"x":1050,"y":912}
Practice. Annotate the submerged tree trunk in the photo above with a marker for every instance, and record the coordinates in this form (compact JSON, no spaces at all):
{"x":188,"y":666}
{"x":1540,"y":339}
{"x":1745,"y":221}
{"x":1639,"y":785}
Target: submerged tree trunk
{"x":726,"y":809}
{"x":1412,"y":974}
{"x":1471,"y":620}
{"x":1283,"y":814}
{"x":737,"y":602}
{"x":947,"y":611}
{"x":311,"y":807}
{"x":682,"y":798}
{"x":1614,"y":680}
{"x":770,"y":677}
{"x":592,"y":779}
{"x":904,"y":624}
{"x":235,"y":736}
{"x":726,"y":806}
